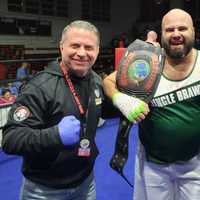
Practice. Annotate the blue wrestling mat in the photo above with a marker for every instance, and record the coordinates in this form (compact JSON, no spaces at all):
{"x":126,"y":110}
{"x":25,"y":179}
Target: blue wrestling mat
{"x":109,"y":184}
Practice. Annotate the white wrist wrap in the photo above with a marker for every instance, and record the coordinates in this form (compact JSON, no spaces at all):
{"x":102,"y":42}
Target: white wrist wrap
{"x":130,"y":107}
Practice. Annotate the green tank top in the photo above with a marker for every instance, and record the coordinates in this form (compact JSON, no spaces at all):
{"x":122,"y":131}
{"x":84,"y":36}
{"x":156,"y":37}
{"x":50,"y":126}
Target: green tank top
{"x":171,"y":131}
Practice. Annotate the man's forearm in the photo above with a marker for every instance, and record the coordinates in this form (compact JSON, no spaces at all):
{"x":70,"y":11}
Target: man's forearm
{"x":109,"y":85}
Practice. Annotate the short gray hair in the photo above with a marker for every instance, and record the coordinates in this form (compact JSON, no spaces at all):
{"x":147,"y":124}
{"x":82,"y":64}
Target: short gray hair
{"x":81,"y":24}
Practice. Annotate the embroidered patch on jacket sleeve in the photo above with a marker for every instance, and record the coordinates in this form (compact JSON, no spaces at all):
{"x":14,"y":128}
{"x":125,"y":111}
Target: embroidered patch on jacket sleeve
{"x":21,"y":113}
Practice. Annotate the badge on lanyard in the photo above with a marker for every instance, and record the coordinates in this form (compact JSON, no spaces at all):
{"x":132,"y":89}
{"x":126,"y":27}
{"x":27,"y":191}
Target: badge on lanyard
{"x":84,"y":148}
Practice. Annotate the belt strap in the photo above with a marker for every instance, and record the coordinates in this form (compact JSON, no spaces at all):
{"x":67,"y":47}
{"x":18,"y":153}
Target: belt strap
{"x":120,"y":155}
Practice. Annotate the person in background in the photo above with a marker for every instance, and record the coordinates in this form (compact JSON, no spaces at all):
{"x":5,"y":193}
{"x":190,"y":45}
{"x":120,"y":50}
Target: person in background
{"x":23,"y":71}
{"x":168,"y":160}
{"x":152,"y":38}
{"x":6,"y":100}
{"x":7,"y":97}
{"x":54,"y":120}
{"x":12,"y":87}
{"x":22,"y":75}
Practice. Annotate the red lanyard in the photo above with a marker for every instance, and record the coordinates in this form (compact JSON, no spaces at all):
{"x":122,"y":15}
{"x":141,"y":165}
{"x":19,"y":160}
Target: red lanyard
{"x":71,"y":87}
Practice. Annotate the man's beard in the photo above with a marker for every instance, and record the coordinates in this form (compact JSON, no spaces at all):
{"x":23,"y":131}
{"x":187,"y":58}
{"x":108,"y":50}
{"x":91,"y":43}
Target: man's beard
{"x":180,"y":53}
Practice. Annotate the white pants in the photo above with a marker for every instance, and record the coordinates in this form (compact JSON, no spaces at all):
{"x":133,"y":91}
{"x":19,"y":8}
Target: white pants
{"x":180,"y":181}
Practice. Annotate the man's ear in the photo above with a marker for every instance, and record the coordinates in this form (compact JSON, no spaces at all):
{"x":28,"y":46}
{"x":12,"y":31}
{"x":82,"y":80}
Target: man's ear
{"x":61,"y":46}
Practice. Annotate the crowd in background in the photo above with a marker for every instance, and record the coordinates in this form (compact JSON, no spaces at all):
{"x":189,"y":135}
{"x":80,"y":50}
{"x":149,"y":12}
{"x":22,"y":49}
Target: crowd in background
{"x":9,"y":90}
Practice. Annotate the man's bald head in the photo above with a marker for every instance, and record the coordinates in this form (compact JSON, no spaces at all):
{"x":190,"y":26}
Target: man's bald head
{"x":177,"y":33}
{"x":175,"y":14}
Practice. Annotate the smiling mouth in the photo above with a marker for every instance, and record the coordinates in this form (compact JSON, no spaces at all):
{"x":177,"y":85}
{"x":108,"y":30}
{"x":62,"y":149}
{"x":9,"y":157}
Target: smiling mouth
{"x":79,"y":62}
{"x":176,"y":42}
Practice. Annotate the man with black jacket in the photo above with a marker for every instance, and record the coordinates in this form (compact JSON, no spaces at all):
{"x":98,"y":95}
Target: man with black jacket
{"x":53,"y":122}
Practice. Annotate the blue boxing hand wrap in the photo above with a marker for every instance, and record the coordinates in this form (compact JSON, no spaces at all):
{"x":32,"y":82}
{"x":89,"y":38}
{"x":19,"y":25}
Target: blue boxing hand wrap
{"x":69,"y":130}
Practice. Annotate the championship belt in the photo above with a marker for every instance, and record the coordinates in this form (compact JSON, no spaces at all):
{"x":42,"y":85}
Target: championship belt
{"x":138,"y":75}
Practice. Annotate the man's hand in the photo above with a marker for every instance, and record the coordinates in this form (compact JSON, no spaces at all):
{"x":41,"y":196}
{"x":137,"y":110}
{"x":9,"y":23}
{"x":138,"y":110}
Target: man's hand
{"x":132,"y":108}
{"x":69,"y":130}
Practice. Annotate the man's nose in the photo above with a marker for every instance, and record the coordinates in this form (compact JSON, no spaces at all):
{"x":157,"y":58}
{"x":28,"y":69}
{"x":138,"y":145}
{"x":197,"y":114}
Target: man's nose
{"x":81,"y":52}
{"x":176,"y":33}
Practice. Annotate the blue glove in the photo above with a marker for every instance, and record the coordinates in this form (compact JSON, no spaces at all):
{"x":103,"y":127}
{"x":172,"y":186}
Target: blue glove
{"x":69,"y":130}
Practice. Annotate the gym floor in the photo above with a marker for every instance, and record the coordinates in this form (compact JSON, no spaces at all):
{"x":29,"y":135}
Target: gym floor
{"x":110,"y":185}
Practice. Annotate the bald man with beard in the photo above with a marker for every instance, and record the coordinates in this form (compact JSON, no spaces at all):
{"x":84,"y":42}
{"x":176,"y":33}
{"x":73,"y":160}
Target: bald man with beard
{"x":168,"y":161}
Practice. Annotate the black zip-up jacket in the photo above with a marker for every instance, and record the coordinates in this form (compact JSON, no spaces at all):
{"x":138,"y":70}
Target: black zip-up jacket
{"x":34,"y":135}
